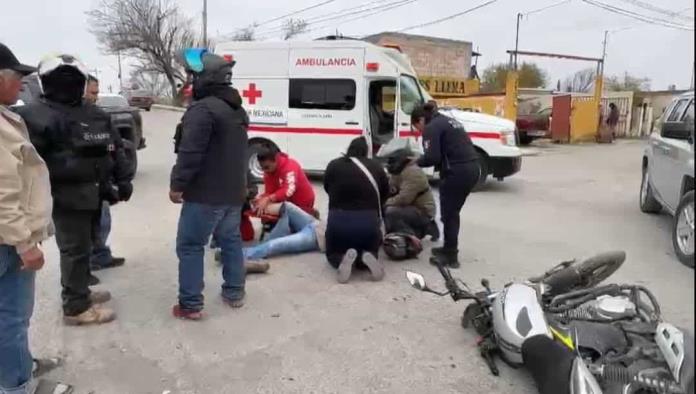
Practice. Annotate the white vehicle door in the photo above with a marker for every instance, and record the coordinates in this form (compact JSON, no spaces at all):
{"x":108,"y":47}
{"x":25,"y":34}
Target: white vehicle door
{"x":668,"y":148}
{"x":409,"y":97}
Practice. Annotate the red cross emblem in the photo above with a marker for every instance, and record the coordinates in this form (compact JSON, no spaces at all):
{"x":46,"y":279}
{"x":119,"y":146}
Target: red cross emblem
{"x":252,"y":94}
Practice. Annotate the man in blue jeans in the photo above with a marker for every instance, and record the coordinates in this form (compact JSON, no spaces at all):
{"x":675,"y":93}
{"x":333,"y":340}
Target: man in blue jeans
{"x":25,"y":222}
{"x":295,"y":232}
{"x":209,"y":178}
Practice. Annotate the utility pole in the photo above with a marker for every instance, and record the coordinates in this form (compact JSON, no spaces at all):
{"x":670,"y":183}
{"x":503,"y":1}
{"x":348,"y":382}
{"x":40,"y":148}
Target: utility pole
{"x":604,"y":50}
{"x":517,"y":39}
{"x":120,"y":76}
{"x":205,"y":23}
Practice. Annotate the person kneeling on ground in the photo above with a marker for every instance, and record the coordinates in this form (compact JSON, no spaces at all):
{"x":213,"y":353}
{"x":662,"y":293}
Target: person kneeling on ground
{"x":296,"y":231}
{"x":284,"y":180}
{"x":357,"y":187}
{"x":412,"y":209}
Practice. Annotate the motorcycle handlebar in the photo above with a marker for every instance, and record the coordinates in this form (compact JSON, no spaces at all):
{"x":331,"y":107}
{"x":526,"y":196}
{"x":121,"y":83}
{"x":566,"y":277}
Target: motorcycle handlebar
{"x":455,"y":291}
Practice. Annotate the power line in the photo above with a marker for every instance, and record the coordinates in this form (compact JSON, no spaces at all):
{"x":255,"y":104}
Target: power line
{"x":311,"y":7}
{"x":362,"y":16}
{"x":360,"y":10}
{"x":659,"y":10}
{"x":640,"y":17}
{"x":448,"y":17}
{"x":547,"y":7}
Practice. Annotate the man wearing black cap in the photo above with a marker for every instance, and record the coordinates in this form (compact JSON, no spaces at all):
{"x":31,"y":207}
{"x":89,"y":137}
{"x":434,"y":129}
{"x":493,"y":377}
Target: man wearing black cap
{"x":209,"y":178}
{"x":25,"y":221}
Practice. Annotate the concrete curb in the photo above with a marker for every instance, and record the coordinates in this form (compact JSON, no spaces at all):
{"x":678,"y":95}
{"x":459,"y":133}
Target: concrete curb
{"x":168,"y":107}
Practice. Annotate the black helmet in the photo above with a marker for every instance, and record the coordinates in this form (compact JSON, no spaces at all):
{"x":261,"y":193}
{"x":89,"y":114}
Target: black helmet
{"x":401,"y":246}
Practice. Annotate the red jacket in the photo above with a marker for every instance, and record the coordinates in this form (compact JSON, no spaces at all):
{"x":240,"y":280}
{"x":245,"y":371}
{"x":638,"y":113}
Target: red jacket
{"x":289,"y":183}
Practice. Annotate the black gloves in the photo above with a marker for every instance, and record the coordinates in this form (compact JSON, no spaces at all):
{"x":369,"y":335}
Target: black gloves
{"x":125,"y":190}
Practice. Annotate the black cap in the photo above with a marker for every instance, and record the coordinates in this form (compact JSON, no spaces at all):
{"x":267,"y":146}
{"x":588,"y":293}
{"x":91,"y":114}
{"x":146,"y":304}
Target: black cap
{"x":9,"y":61}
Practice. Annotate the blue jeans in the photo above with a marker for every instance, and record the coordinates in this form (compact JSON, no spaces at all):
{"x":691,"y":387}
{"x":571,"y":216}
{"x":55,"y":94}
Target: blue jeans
{"x":101,"y":252}
{"x":197,"y":223}
{"x":293,"y":233}
{"x":16,"y":307}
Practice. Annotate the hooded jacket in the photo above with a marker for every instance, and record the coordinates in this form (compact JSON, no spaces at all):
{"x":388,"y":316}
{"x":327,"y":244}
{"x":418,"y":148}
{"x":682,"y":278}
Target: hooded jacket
{"x":413,"y":190}
{"x":211,"y":164}
{"x":289,"y":183}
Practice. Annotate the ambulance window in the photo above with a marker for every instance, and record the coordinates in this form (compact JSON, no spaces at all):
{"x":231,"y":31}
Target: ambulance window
{"x":410,"y":94}
{"x":331,"y":94}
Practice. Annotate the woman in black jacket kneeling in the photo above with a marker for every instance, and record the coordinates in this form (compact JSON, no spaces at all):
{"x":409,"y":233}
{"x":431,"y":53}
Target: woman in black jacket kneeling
{"x":353,"y":232}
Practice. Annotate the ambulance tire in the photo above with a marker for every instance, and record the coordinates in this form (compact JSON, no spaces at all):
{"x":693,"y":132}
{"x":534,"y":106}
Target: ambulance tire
{"x":255,"y":171}
{"x":483,"y":176}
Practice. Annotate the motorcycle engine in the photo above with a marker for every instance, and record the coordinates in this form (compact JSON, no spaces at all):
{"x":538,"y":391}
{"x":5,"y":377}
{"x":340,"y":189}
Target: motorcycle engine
{"x":614,"y":307}
{"x":604,"y":308}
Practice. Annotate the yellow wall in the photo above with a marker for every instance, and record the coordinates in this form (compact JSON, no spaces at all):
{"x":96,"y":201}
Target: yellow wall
{"x":584,"y":119}
{"x":492,"y":105}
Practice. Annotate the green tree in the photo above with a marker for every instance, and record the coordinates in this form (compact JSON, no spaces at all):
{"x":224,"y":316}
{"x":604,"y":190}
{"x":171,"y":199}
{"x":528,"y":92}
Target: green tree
{"x":627,"y":83}
{"x":530,"y":76}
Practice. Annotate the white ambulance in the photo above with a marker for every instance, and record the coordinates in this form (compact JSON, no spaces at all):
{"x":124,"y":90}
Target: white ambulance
{"x":310,"y":99}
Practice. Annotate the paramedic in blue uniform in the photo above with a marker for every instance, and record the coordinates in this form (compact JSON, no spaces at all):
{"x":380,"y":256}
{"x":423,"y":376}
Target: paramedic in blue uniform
{"x":447,"y":147}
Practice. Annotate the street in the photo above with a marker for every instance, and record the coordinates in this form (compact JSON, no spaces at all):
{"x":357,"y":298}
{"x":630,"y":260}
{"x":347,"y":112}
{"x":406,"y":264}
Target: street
{"x":301,"y":332}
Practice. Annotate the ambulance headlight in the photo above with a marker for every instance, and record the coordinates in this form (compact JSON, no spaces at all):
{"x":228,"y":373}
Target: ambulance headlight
{"x":507,"y":137}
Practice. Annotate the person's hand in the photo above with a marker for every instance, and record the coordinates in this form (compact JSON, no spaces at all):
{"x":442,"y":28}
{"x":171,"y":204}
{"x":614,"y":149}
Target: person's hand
{"x":176,"y":197}
{"x":125,"y":191}
{"x":32,"y":259}
{"x":262,"y":203}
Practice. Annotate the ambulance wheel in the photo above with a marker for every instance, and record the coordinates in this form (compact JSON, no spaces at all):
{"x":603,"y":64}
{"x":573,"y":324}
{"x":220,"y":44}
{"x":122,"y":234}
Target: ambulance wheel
{"x":483,"y":175}
{"x":255,"y":147}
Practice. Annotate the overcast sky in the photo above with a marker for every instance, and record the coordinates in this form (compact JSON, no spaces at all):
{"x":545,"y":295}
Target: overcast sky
{"x":33,"y":28}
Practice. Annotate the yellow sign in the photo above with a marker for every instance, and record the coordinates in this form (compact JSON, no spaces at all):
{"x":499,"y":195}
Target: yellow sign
{"x":452,"y":87}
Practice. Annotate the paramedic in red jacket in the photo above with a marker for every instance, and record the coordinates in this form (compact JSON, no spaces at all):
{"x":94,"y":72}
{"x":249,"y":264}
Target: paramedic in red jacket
{"x":284,"y":180}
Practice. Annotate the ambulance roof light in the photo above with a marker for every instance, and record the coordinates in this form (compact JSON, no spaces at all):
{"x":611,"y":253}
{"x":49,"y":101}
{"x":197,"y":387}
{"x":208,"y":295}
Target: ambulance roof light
{"x":372,"y":67}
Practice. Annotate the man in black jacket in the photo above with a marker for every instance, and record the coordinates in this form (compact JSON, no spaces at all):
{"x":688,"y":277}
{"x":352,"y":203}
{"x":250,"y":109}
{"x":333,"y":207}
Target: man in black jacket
{"x":209,"y":178}
{"x":87,"y":165}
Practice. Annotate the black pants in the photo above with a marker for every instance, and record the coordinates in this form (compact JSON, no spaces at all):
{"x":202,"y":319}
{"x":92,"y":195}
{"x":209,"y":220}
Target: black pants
{"x":357,"y":230}
{"x":454,"y":189}
{"x":408,"y":219}
{"x":75,"y":231}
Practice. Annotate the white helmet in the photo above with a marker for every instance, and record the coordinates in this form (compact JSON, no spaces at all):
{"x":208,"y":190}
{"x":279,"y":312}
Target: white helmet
{"x":53,"y":62}
{"x":517,"y":315}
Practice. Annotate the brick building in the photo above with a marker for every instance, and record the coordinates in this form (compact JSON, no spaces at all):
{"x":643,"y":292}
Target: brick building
{"x":431,"y":56}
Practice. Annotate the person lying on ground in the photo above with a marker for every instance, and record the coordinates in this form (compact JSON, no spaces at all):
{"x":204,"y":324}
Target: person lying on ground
{"x":411,"y":209}
{"x":357,"y":187}
{"x":284,"y":180}
{"x":295,"y":231}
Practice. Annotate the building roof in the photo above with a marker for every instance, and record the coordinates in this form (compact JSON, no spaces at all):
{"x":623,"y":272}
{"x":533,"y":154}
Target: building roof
{"x":436,"y":40}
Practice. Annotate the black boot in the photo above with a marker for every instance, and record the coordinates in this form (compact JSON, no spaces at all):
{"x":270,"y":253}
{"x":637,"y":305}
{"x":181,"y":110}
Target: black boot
{"x":445,"y":257}
{"x":433,"y":231}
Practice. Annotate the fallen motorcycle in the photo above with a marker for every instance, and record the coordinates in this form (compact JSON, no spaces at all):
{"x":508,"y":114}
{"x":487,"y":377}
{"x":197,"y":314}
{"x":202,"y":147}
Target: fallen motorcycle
{"x":549,"y":306}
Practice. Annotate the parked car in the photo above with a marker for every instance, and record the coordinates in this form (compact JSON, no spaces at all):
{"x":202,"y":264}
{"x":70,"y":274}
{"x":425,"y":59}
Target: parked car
{"x":668,"y":173}
{"x":533,"y":126}
{"x":126,"y":120}
{"x":141,"y":99}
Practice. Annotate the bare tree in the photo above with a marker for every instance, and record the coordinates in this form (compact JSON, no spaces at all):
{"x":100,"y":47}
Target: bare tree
{"x":582,"y":81}
{"x":246,"y":34}
{"x":294,"y":27}
{"x":150,"y":80}
{"x":151,"y":31}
